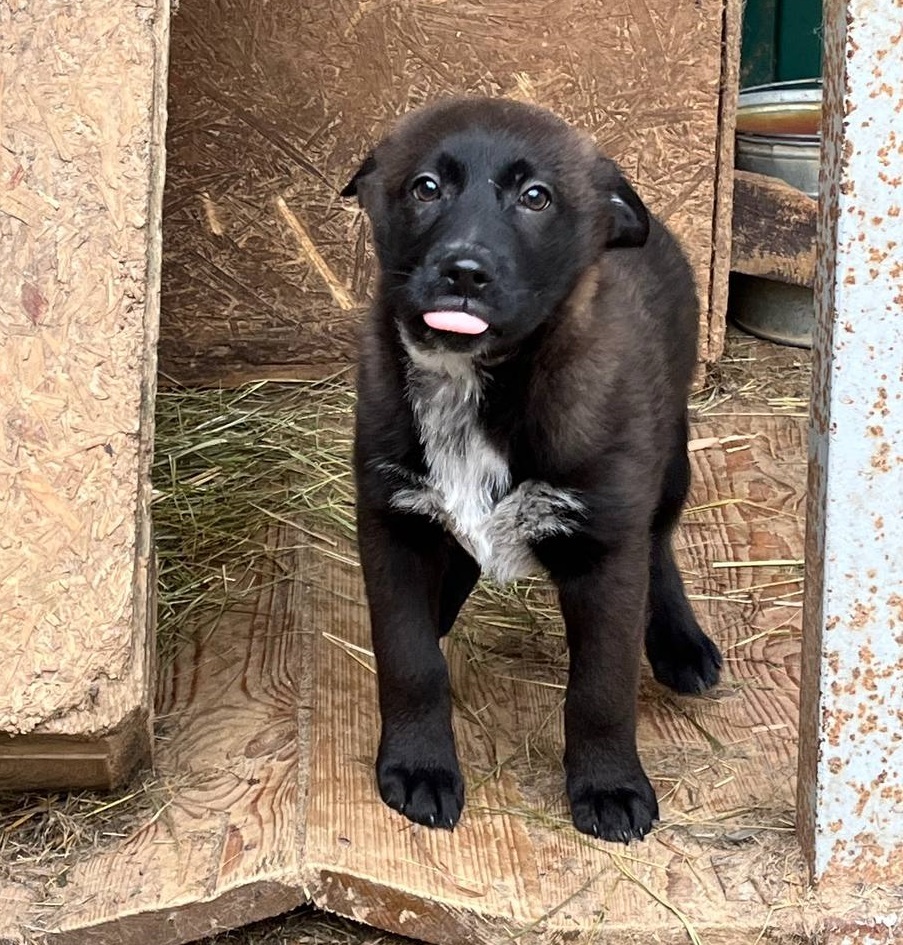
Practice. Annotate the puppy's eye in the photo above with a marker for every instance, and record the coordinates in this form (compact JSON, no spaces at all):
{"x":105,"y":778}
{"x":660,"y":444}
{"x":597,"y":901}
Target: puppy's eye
{"x":426,"y":188}
{"x":535,"y":197}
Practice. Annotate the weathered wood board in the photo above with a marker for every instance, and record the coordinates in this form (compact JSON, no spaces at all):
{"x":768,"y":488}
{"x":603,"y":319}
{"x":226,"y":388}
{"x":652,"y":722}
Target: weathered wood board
{"x":223,"y":846}
{"x":272,"y":106}
{"x":773,"y":230}
{"x":82,"y":106}
{"x":268,"y":731}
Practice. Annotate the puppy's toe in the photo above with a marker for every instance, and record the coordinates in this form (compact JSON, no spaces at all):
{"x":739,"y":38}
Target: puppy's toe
{"x":686,"y":662}
{"x":620,"y":814}
{"x":436,"y":800}
{"x":430,"y":796}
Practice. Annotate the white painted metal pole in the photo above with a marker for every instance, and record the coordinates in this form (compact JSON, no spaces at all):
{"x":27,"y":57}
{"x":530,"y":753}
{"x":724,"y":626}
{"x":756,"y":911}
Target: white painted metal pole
{"x":851,"y":727}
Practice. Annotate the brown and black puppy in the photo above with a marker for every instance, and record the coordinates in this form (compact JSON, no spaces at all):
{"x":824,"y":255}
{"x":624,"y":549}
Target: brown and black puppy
{"x":522,"y":406}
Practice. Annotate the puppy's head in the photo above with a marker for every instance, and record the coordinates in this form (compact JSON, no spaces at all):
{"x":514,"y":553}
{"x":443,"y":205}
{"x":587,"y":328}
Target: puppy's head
{"x":485,"y":212}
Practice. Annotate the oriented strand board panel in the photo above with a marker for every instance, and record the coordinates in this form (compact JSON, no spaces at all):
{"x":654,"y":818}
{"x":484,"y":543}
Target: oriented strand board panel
{"x":264,"y":795}
{"x":272,"y":106}
{"x":82,"y":104}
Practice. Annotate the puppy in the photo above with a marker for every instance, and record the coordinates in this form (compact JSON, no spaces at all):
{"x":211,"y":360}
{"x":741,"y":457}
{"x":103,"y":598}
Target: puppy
{"x":522,"y":386}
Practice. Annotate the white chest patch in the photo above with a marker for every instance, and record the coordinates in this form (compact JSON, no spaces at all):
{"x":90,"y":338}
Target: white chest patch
{"x":468,"y":484}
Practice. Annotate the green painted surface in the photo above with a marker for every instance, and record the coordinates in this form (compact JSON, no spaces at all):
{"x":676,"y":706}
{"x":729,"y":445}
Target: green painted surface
{"x":799,"y":39}
{"x":781,"y":41}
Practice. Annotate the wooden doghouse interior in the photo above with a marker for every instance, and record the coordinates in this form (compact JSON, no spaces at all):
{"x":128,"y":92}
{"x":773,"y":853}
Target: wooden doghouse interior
{"x":272,"y":106}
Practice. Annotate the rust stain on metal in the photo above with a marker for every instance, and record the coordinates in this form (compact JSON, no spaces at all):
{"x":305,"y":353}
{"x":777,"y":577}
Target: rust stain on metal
{"x":881,"y":458}
{"x":851,"y":773}
{"x":896,"y":603}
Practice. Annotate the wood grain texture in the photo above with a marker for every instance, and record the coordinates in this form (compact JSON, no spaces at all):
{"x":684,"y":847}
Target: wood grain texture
{"x":82,"y":116}
{"x":773,"y":230}
{"x":268,"y":730}
{"x":279,"y":102}
{"x":221,"y":848}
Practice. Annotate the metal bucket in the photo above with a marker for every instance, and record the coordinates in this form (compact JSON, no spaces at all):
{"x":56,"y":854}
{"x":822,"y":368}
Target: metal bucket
{"x":793,"y":159}
{"x":781,"y":108}
{"x":775,"y":311}
{"x":778,"y":135}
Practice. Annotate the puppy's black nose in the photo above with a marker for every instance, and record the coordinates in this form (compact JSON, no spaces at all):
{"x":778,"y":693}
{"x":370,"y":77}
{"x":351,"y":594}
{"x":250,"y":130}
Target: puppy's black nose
{"x":465,"y":276}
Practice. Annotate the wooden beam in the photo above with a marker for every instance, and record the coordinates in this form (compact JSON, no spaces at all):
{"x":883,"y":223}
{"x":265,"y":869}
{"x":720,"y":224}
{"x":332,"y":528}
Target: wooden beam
{"x":851,"y":752}
{"x":773,"y":230}
{"x":81,"y":181}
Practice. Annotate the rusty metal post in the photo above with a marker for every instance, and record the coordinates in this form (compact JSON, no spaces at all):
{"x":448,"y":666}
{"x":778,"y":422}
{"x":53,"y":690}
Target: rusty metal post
{"x":851,"y":727}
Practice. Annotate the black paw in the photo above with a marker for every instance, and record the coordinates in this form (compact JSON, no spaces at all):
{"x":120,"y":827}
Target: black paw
{"x":427,"y":794}
{"x":619,"y":813}
{"x":684,"y":660}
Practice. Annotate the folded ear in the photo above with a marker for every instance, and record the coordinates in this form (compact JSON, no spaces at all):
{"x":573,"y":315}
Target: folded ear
{"x":630,"y":218}
{"x":627,"y":214}
{"x":368,"y":165}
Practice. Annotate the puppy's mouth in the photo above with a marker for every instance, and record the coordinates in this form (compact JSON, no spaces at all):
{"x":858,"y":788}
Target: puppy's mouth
{"x":458,"y":317}
{"x":455,"y":321}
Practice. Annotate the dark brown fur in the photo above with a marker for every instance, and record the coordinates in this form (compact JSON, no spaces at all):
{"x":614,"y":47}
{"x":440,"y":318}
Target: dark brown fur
{"x":586,"y":369}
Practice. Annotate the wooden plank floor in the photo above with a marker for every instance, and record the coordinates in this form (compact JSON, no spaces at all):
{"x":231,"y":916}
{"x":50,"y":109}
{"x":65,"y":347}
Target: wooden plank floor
{"x":268,"y":731}
{"x":220,"y":846}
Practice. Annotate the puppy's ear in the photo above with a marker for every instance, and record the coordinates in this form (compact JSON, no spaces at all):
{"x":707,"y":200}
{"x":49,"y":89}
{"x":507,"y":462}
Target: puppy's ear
{"x":628,"y":217}
{"x":367,"y":167}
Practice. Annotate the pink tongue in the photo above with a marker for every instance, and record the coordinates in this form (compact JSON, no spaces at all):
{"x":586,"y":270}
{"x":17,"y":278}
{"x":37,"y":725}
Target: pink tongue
{"x":459,"y":322}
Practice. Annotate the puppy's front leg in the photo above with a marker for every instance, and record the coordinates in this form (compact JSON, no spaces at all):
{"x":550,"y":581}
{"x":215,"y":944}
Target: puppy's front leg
{"x":603,"y":601}
{"x":403,"y":558}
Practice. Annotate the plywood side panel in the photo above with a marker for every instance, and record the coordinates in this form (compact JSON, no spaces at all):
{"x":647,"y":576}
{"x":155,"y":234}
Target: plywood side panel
{"x":82,"y":119}
{"x":712,"y":341}
{"x":278,"y":102}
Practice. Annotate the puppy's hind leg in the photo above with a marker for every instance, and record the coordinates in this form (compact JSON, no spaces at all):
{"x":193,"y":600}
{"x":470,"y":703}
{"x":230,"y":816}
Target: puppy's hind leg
{"x":682,"y":657}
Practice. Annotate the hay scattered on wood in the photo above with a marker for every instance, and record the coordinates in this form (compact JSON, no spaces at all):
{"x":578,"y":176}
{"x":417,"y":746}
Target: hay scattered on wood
{"x":766,"y":379}
{"x":227,"y":464}
{"x":41,"y":832}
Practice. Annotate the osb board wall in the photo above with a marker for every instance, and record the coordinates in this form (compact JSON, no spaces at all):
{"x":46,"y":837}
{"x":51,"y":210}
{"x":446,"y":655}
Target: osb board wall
{"x":271,"y":106}
{"x":82,"y":99}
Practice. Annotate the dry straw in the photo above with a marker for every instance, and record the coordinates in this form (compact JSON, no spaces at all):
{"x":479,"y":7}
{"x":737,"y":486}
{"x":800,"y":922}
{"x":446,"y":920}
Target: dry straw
{"x":227,"y":465}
